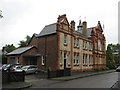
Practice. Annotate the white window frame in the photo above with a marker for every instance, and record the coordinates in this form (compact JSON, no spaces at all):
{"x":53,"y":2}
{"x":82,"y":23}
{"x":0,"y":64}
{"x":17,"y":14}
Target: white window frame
{"x":83,"y":59}
{"x":43,"y":60}
{"x":99,"y":45}
{"x":65,"y":39}
{"x":90,"y":59}
{"x":77,"y":59}
{"x":68,"y":59}
{"x":74,"y":59}
{"x":77,"y":42}
{"x":86,"y":59}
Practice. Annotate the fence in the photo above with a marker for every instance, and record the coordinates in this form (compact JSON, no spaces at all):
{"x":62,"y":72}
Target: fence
{"x":13,"y":77}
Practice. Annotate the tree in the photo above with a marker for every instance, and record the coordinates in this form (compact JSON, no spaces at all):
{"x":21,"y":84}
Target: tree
{"x":1,"y":14}
{"x":110,"y":62}
{"x":24,"y":43}
{"x":8,"y":48}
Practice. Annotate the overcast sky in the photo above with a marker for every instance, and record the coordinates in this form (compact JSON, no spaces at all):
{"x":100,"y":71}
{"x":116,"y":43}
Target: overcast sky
{"x":25,"y":17}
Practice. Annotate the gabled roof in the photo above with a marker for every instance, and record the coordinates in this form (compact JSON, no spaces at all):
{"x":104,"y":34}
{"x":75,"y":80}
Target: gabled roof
{"x":20,"y":50}
{"x":48,"y":29}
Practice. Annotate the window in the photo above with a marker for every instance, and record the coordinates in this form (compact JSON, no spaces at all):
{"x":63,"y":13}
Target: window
{"x":61,"y":57}
{"x":90,"y":59}
{"x":84,"y":59}
{"x":43,"y":60}
{"x":12,"y":60}
{"x":65,"y":39}
{"x":76,"y":42}
{"x":85,"y":45}
{"x":99,"y":45}
{"x":90,"y":46}
{"x":76,"y":59}
{"x":68,"y":58}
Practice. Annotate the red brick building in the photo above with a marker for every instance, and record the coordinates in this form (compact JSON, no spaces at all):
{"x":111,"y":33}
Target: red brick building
{"x":60,"y":45}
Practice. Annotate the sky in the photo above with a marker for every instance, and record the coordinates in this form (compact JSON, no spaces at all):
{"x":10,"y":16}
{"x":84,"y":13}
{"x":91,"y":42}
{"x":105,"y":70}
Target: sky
{"x":26,"y":17}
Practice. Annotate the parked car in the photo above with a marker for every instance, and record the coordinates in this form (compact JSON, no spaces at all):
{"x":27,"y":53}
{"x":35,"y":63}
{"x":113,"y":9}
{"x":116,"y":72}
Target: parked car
{"x":5,"y":67}
{"x":118,"y":69}
{"x":30,"y":69}
{"x":11,"y":67}
{"x":16,"y":68}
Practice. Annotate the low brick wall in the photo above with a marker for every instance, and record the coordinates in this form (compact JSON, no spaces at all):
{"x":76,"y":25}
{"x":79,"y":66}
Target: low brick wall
{"x":59,"y":73}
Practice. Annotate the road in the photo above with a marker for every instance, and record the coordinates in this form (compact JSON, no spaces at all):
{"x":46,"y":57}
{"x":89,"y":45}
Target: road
{"x":97,"y":81}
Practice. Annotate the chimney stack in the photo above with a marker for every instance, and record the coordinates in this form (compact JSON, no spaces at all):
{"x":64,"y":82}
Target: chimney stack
{"x":72,"y":25}
{"x":84,"y":27}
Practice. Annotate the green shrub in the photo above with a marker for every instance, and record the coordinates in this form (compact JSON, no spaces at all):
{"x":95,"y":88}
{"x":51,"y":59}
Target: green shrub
{"x":101,"y":69}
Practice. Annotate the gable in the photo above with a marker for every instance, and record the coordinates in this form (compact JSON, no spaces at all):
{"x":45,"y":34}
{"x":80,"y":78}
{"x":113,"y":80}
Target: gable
{"x":99,"y":27}
{"x":65,"y":21}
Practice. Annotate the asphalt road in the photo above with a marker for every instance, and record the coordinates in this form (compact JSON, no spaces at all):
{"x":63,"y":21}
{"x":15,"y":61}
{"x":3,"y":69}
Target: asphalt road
{"x":97,"y":81}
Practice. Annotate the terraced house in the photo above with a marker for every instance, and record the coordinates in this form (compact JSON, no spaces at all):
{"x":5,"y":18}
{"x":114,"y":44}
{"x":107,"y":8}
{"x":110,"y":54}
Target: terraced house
{"x":60,"y":45}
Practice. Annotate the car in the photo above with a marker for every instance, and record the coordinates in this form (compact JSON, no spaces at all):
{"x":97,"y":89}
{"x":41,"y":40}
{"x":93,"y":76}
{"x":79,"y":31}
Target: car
{"x":11,"y":67}
{"x":16,"y":68}
{"x":29,"y":69}
{"x":5,"y":67}
{"x":118,"y":69}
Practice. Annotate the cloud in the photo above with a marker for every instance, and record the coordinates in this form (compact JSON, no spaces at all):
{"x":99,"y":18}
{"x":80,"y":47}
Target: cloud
{"x":25,"y":17}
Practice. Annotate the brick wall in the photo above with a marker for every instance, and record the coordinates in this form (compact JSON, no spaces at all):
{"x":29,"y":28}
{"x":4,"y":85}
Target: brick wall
{"x":47,"y":46}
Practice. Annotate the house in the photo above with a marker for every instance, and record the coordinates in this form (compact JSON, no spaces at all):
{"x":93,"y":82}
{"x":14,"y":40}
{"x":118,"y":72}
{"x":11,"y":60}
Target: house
{"x":60,"y":45}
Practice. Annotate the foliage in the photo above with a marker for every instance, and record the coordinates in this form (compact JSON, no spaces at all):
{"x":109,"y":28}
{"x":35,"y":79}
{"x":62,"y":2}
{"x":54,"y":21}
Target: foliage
{"x":24,"y":43}
{"x":8,"y":48}
{"x":101,"y":69}
{"x":1,"y":14}
{"x":110,"y":62}
{"x":4,"y":59}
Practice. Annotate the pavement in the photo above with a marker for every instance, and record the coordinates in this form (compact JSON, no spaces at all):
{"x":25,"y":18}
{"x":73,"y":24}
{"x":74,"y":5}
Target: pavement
{"x":22,"y":85}
{"x":81,"y":75}
{"x":16,"y":85}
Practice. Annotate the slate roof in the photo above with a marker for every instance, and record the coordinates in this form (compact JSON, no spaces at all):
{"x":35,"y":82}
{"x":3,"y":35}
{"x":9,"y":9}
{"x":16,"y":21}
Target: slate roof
{"x":88,"y":32}
{"x":20,"y":50}
{"x":48,"y":29}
